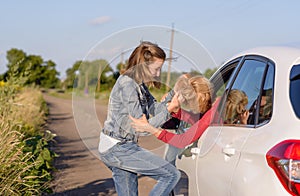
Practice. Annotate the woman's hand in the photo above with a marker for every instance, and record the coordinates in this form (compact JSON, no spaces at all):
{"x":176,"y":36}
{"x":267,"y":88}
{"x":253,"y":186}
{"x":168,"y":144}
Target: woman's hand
{"x":142,"y":125}
{"x":174,"y":105}
{"x":244,"y":117}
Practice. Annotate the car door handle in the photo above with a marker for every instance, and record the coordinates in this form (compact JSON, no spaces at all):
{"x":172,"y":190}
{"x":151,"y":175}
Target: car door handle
{"x":195,"y":152}
{"x":229,"y":151}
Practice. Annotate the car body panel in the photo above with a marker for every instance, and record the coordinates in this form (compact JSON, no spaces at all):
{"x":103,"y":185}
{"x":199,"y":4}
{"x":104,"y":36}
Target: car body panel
{"x":225,"y":153}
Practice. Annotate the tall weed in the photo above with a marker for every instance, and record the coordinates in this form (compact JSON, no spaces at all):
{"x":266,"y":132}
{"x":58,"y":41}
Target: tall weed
{"x":24,"y":155}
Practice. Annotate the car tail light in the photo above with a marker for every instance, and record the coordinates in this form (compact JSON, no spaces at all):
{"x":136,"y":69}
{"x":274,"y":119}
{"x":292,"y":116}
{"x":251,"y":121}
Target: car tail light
{"x":284,"y":159}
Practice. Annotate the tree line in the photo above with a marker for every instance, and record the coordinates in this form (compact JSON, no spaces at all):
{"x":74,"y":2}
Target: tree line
{"x":82,"y":75}
{"x":32,"y":68}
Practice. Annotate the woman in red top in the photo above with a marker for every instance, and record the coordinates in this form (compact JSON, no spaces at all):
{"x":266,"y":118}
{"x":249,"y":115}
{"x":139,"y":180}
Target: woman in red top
{"x":192,"y":102}
{"x":235,"y":112}
{"x":178,"y":140}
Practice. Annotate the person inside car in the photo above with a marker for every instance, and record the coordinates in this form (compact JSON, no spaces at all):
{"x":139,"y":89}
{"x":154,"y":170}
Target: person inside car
{"x":235,"y":108}
{"x":265,"y":110}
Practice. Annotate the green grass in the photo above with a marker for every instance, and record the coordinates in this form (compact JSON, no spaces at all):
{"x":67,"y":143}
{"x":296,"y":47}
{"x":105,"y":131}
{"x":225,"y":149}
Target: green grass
{"x":24,"y":156}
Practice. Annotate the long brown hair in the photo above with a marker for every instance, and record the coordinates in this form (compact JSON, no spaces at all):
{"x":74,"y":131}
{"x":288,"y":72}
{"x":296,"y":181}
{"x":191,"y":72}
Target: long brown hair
{"x":235,"y":106}
{"x":137,"y":66}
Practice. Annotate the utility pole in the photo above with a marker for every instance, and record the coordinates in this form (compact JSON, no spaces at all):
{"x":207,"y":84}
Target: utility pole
{"x":170,"y":59}
{"x":99,"y":77}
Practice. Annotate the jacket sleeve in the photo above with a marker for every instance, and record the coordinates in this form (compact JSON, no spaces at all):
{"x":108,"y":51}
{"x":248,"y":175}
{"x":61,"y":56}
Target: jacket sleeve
{"x":159,"y":111}
{"x":192,"y":134}
{"x":160,"y":116}
{"x":131,"y":99}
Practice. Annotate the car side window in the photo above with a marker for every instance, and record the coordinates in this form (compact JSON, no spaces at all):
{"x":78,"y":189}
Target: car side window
{"x":221,"y":78}
{"x":266,"y":99}
{"x":294,"y":89}
{"x":240,"y":100}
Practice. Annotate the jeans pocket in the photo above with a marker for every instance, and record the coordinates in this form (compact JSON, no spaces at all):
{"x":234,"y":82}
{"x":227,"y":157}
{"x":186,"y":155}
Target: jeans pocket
{"x":110,"y":156}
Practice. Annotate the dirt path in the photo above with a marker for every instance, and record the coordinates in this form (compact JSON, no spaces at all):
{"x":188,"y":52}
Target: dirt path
{"x":79,"y":170}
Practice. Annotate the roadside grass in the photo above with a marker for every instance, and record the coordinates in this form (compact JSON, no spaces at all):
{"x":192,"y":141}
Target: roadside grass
{"x":25,"y":158}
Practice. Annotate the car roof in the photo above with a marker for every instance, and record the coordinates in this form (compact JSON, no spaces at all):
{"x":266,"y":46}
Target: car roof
{"x":278,"y":54}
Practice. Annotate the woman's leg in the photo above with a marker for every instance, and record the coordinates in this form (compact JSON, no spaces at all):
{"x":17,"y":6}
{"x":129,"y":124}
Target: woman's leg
{"x":171,"y":154}
{"x":126,"y":183}
{"x":131,"y":157}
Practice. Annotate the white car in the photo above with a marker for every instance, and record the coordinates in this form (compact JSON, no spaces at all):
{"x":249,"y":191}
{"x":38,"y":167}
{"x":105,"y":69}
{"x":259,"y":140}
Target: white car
{"x":262,"y":157}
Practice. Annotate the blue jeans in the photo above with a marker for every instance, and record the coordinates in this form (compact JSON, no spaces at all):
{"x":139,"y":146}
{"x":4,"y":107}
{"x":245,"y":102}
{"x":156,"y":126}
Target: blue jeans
{"x":127,"y":160}
{"x":172,"y":153}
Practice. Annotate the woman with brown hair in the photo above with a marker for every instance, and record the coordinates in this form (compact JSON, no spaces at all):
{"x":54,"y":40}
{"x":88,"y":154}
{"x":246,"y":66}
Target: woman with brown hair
{"x":235,"y":108}
{"x":118,"y":146}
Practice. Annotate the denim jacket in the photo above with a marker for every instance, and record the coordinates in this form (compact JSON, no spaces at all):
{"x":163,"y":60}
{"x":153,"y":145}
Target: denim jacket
{"x":128,"y":98}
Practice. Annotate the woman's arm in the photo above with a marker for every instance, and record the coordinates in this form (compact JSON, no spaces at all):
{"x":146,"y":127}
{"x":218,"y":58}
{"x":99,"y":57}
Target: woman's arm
{"x":191,"y":135}
{"x":178,"y":140}
{"x":129,"y":96}
{"x":164,"y":113}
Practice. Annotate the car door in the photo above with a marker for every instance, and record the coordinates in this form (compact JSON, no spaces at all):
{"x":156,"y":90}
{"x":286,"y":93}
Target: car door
{"x":187,"y":162}
{"x":221,"y":147}
{"x":218,"y":149}
{"x":250,"y":170}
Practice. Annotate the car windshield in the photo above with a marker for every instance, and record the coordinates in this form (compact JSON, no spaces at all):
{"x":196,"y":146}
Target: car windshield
{"x":295,"y":89}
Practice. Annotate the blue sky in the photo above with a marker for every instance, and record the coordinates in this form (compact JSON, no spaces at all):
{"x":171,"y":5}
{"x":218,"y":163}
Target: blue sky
{"x":65,"y":31}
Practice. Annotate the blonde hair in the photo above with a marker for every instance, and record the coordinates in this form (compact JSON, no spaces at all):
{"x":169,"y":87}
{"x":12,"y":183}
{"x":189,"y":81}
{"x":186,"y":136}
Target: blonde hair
{"x":139,"y":60}
{"x":194,"y":93}
{"x":235,"y":106}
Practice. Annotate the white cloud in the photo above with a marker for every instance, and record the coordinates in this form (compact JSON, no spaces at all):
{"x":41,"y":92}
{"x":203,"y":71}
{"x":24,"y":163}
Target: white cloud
{"x":100,"y":20}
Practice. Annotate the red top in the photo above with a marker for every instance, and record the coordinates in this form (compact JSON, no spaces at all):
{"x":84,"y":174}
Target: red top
{"x":186,"y":116}
{"x":193,"y":133}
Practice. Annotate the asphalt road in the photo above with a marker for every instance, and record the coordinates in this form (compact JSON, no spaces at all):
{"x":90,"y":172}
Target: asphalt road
{"x":79,"y":169}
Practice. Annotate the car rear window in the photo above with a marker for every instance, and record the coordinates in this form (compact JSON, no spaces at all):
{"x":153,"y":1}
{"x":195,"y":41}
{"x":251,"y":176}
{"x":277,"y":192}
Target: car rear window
{"x":295,"y":89}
